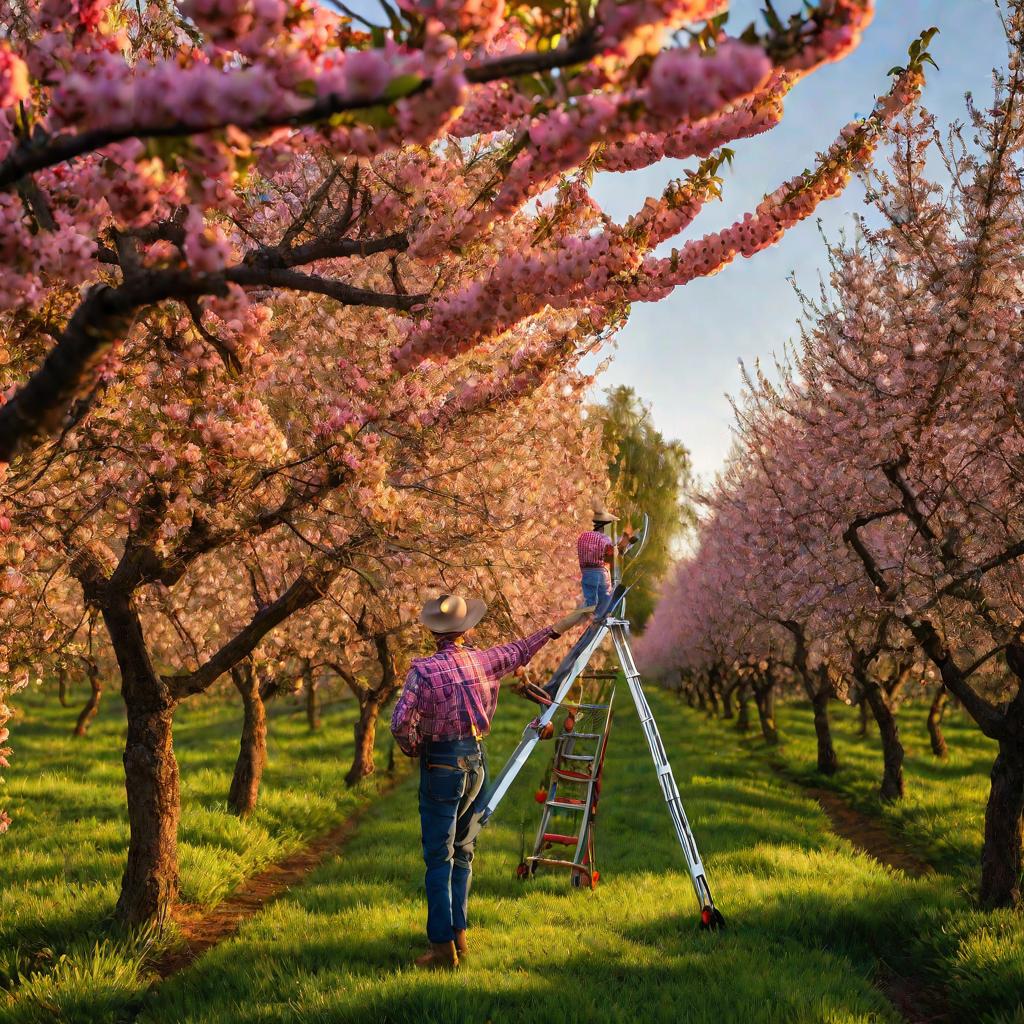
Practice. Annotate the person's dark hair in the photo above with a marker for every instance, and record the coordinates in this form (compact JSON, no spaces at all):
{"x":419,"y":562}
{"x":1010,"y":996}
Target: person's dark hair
{"x":599,"y":527}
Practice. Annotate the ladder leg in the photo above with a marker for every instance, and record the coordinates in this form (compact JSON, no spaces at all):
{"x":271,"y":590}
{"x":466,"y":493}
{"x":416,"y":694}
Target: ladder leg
{"x":531,"y":736}
{"x":710,"y":916}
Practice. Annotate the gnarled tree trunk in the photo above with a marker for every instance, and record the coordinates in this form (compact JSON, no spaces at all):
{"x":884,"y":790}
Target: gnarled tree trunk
{"x":1004,"y":828}
{"x":935,"y":714}
{"x":371,"y":700}
{"x":365,"y":730}
{"x":62,"y":685}
{"x":818,"y":687}
{"x":727,"y":691}
{"x":828,"y":762}
{"x":892,"y":787}
{"x":764,"y":698}
{"x":252,"y":749}
{"x":742,"y":708}
{"x":310,"y":695}
{"x":150,"y":883}
{"x":92,"y":705}
{"x":864,"y":709}
{"x":713,"y":701}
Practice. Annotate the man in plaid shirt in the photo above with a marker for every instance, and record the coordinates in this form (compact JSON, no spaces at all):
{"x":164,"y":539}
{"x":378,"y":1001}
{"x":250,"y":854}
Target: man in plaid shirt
{"x":596,"y":553}
{"x":443,"y":713}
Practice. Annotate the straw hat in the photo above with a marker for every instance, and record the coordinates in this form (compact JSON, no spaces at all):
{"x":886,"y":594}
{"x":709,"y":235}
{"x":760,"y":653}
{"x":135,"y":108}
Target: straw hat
{"x":602,"y":515}
{"x":451,"y":613}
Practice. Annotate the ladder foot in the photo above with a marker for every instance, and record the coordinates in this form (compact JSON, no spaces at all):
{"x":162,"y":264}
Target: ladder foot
{"x":711,"y":919}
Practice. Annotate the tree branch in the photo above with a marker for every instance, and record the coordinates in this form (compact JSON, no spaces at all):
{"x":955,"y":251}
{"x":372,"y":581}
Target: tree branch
{"x":307,"y":589}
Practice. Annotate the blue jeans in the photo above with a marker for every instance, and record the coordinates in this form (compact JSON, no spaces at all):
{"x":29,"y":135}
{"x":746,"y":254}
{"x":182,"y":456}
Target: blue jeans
{"x":452,"y":783}
{"x":595,"y":587}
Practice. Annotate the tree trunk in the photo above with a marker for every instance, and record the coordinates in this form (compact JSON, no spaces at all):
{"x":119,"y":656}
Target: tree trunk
{"x":252,"y":750}
{"x":727,"y":693}
{"x":743,"y":710}
{"x":828,"y":763}
{"x":149,"y":887}
{"x":312,"y":704}
{"x":935,"y":714}
{"x":713,"y":702}
{"x":92,"y":705}
{"x":1001,"y":853}
{"x":863,"y":707}
{"x":892,"y":787}
{"x":690,"y":692}
{"x":764,"y":698}
{"x":370,"y":703}
{"x":62,"y":686}
{"x":365,"y":732}
{"x":702,"y":701}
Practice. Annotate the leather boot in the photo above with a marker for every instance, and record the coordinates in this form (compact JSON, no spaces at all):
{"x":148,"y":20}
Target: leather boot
{"x":461,"y":943}
{"x":440,"y":955}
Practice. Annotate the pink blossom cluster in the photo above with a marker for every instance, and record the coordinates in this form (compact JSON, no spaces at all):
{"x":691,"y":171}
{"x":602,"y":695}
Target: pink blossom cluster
{"x":685,"y":83}
{"x":661,"y":219}
{"x":574,"y":269}
{"x":479,"y":20}
{"x":759,"y":114}
{"x":620,"y":20}
{"x":245,"y":25}
{"x":788,"y":205}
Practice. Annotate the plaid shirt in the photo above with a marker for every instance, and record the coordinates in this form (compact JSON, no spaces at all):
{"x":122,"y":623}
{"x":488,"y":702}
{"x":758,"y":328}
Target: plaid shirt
{"x":591,"y":548}
{"x":453,"y":693}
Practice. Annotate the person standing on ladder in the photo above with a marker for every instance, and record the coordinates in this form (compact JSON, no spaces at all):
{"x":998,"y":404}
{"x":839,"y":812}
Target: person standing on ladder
{"x":443,"y":713}
{"x":596,"y":551}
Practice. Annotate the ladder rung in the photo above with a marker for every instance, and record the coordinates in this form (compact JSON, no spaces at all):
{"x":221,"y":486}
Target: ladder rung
{"x":585,"y":735}
{"x":550,"y":863}
{"x":578,"y":757}
{"x":557,"y":837}
{"x":564,"y":773}
{"x":568,"y":805}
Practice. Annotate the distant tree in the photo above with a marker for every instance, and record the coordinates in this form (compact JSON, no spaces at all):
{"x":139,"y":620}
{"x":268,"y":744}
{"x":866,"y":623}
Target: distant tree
{"x":648,"y":473}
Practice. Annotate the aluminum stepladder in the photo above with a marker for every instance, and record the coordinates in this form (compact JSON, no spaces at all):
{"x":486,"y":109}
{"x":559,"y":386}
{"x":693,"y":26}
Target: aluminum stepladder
{"x":608,"y":623}
{"x":574,"y":788}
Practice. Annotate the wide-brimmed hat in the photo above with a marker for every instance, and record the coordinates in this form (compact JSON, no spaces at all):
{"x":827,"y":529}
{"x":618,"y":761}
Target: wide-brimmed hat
{"x":602,"y":515}
{"x":451,"y":613}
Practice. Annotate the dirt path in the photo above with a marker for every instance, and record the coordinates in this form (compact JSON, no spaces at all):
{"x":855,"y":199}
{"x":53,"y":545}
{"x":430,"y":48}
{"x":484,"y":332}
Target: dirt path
{"x":916,"y":1000}
{"x":203,"y":929}
{"x":867,"y":834}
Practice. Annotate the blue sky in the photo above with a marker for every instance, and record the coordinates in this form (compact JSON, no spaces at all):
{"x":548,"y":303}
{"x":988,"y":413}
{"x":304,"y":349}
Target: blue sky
{"x":682,"y":354}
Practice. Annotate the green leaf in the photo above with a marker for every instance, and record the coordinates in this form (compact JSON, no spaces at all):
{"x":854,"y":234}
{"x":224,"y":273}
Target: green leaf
{"x":401,"y":86}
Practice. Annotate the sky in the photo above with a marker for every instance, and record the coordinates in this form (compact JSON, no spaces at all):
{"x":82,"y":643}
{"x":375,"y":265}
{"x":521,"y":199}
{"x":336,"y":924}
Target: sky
{"x":682,"y":354}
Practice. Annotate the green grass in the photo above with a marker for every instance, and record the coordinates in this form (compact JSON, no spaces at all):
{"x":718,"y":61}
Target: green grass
{"x":942,"y":815}
{"x":813,"y":924}
{"x":805,"y":912}
{"x":61,"y":862}
{"x":941,"y":818}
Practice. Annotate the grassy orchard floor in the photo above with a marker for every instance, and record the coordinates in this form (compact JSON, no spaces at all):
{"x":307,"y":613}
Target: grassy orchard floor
{"x":810,"y":919}
{"x":941,"y":818}
{"x":807,"y":914}
{"x":61,"y":862}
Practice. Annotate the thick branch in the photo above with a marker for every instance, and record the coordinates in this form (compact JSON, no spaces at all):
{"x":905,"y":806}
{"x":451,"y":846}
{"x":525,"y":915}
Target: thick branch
{"x":989,"y":720}
{"x":105,"y":316}
{"x":305,"y":591}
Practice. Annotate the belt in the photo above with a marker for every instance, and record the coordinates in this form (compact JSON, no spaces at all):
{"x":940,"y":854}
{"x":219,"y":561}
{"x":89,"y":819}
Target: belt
{"x":601,"y":566}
